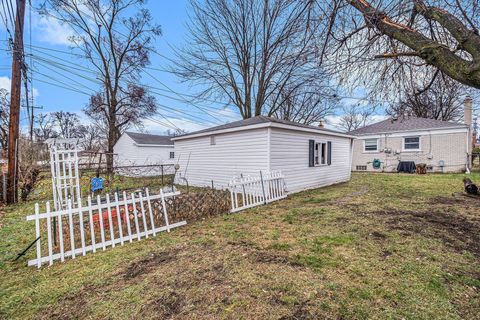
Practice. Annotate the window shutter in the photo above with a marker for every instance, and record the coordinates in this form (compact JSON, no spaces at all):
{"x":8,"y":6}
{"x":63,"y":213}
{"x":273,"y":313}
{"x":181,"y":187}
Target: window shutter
{"x":329,"y":155}
{"x":311,"y":152}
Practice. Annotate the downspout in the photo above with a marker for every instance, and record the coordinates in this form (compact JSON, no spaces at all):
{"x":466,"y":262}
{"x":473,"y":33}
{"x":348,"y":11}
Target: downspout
{"x":467,"y":164}
{"x":269,"y":146}
{"x":351,"y":155}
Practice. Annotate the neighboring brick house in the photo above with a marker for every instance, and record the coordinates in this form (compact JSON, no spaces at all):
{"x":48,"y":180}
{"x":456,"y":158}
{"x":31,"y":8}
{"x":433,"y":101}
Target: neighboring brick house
{"x":443,"y":146}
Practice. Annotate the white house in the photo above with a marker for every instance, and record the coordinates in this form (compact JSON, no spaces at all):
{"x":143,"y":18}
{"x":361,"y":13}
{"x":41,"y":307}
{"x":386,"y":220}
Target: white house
{"x":140,"y":149}
{"x":308,"y":156}
{"x":443,"y":146}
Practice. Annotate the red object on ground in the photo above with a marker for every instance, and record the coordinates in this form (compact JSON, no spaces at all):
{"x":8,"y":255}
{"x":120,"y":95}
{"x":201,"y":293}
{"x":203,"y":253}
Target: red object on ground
{"x":106,"y":223}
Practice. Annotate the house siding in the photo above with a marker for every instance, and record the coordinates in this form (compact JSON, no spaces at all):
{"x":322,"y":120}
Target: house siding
{"x":289,"y":152}
{"x":127,"y":153}
{"x":234,"y":153}
{"x":449,"y":147}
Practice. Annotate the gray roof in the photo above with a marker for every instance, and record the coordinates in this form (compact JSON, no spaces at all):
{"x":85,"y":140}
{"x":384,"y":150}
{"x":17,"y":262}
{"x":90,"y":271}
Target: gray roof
{"x":143,"y":138}
{"x":405,"y":124}
{"x":257,"y":120}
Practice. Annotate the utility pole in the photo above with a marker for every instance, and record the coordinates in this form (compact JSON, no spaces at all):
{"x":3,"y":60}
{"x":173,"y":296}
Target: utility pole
{"x":13,"y":128}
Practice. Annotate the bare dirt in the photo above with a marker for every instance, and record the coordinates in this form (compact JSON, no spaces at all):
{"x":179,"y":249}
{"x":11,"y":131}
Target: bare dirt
{"x":454,"y":230}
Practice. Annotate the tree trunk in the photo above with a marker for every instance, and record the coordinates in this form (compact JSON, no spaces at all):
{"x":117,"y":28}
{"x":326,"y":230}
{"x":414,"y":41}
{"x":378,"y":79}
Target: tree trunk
{"x":112,"y":135}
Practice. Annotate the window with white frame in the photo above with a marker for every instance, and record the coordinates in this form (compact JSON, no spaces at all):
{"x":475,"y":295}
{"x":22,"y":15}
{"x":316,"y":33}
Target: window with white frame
{"x":172,"y":155}
{"x":411,"y":143}
{"x":213,"y":140}
{"x":320,"y":153}
{"x":370,"y":145}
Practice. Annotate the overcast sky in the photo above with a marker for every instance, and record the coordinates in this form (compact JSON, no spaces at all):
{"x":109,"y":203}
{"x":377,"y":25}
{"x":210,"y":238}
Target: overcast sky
{"x":62,"y":80}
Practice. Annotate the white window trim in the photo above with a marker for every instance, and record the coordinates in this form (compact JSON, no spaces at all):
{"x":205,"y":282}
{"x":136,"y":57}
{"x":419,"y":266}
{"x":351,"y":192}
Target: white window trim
{"x":326,"y":153}
{"x":170,"y":155}
{"x":412,"y":150}
{"x":370,"y":151}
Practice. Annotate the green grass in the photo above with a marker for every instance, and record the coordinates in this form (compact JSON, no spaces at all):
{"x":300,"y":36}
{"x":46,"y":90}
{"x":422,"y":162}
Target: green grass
{"x":382,"y":246}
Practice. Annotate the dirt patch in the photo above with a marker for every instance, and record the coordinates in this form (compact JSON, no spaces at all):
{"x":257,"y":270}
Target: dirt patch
{"x":166,"y":306}
{"x":378,"y":235}
{"x":349,"y":197}
{"x":457,"y":199}
{"x":274,"y":258}
{"x":145,"y":265}
{"x":73,"y":305}
{"x":454,"y":230}
{"x":299,"y":312}
{"x":385,"y":254}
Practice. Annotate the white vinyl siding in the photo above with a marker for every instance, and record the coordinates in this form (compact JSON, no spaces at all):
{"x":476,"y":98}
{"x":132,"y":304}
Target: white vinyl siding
{"x":232,"y":154}
{"x":290,"y":151}
{"x":127,"y":153}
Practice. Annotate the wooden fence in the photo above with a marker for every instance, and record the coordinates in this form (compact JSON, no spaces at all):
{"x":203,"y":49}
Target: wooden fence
{"x":100,"y":224}
{"x":249,"y":192}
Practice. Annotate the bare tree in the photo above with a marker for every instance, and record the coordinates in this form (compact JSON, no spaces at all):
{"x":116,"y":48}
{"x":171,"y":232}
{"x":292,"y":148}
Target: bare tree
{"x":255,"y":54}
{"x":306,"y":104}
{"x":444,"y":35}
{"x":4,"y":118}
{"x":355,"y":116}
{"x":381,"y":45}
{"x":176,"y":132}
{"x":442,"y":101}
{"x":68,"y":124}
{"x":116,"y":37}
{"x":44,"y":127}
{"x":93,"y":139}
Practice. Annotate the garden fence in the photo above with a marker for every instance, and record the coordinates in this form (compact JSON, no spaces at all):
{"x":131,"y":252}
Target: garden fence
{"x":249,"y":192}
{"x":100,"y":224}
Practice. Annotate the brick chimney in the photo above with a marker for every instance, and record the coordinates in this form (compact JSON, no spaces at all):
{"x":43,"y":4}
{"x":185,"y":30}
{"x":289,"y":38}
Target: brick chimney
{"x":467,"y":119}
{"x":321,"y":124}
{"x":468,"y":110}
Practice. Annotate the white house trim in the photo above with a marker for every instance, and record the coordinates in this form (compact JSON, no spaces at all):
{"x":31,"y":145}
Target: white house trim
{"x":269,"y":148}
{"x":421,"y":132}
{"x":371,"y":151}
{"x":263,"y":125}
{"x":412,"y":150}
{"x":153,"y":145}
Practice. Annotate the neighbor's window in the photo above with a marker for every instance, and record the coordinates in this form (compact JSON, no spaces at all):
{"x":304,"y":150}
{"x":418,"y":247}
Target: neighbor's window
{"x":320,"y":153}
{"x":212,"y":140}
{"x":371,"y":144}
{"x":411,"y":143}
{"x":172,"y":155}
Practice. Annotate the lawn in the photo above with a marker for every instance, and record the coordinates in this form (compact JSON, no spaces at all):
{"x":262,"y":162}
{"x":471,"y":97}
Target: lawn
{"x":382,"y":246}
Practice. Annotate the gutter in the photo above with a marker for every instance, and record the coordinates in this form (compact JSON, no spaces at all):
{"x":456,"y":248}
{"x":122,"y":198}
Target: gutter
{"x":153,"y":145}
{"x":412,"y":130}
{"x":265,"y":125}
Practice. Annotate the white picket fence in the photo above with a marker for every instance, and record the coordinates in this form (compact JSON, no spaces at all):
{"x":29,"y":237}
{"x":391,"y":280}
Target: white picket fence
{"x":249,"y":192}
{"x":97,"y":226}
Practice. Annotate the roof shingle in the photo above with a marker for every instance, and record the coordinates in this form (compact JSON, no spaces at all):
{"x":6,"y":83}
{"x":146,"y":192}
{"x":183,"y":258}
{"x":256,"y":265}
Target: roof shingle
{"x":257,"y":120}
{"x":143,"y":138}
{"x":405,"y":124}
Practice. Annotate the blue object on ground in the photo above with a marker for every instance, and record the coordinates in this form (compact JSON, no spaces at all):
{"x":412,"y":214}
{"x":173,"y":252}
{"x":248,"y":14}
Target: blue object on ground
{"x":97,"y":184}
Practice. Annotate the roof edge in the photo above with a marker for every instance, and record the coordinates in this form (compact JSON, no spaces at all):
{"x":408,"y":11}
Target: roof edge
{"x":460,"y":126}
{"x":264,"y":125}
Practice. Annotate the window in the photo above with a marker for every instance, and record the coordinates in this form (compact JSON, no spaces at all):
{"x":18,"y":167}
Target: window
{"x":411,"y":143}
{"x":172,"y":155}
{"x":361,"y":168}
{"x":212,"y":140}
{"x":370,"y":145}
{"x":320,"y":153}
